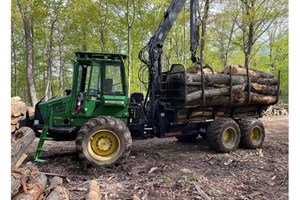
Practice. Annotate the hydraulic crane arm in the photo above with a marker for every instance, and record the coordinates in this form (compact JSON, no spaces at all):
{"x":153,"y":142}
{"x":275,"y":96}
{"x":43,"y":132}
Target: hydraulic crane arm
{"x":194,"y":30}
{"x":155,"y":44}
{"x":155,"y":49}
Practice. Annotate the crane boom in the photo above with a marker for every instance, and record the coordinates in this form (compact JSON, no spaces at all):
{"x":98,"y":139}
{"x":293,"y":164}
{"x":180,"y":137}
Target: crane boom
{"x":155,"y":49}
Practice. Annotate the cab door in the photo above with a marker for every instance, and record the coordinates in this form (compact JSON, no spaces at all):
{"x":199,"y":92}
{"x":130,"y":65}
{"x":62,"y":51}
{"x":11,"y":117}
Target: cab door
{"x":93,"y":91}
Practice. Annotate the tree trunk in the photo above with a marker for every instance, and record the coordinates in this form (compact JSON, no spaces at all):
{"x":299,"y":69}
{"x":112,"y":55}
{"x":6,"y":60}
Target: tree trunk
{"x":129,"y":39}
{"x":14,"y":58}
{"x":102,"y":24}
{"x":25,"y":12}
{"x":129,"y":57}
{"x":203,"y":32}
{"x":61,"y":69}
{"x":250,"y":44}
{"x":249,"y":5}
{"x":225,"y":60}
{"x":49,"y":61}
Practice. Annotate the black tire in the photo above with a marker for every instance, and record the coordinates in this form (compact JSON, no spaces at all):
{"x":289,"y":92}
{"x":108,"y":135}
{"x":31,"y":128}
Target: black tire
{"x":252,"y":133}
{"x":224,"y":135}
{"x":187,"y":138}
{"x":103,"y":141}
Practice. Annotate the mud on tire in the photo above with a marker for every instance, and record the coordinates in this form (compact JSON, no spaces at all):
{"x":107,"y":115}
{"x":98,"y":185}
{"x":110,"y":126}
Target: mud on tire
{"x":103,"y":141}
{"x":252,"y":133}
{"x":224,"y":135}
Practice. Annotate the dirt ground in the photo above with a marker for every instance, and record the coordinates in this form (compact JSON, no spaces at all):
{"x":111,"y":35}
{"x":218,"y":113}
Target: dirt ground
{"x":167,"y":169}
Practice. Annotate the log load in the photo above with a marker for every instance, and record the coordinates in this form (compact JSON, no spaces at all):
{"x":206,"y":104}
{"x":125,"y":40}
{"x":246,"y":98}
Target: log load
{"x":235,"y":86}
{"x":19,"y":112}
{"x":242,"y":71}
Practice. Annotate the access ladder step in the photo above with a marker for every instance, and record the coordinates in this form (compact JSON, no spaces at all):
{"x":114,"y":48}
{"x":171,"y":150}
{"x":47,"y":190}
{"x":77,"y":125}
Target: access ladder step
{"x":47,"y":138}
{"x":42,"y":149}
{"x":39,"y":160}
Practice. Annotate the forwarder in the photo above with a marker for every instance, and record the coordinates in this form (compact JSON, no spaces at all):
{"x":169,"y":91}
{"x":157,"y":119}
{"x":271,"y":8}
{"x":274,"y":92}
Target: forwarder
{"x":98,"y":114}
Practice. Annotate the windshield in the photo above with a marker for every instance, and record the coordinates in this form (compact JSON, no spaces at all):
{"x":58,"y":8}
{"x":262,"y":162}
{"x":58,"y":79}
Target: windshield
{"x":112,"y":81}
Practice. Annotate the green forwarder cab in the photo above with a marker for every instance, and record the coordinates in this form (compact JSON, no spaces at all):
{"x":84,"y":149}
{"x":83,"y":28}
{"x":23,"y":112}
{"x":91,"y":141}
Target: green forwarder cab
{"x":99,"y":88}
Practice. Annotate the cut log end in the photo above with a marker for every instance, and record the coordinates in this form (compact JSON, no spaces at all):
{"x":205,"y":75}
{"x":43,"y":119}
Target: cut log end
{"x":94,"y":191}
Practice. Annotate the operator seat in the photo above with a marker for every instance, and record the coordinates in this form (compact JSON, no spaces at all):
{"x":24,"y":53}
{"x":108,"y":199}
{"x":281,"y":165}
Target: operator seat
{"x":108,"y":85}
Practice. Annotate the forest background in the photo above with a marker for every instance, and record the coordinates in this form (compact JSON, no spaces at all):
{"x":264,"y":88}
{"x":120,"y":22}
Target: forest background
{"x":12,"y":21}
{"x":46,"y":33}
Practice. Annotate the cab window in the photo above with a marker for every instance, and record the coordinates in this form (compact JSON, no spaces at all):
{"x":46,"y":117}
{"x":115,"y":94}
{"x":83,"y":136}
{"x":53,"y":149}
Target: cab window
{"x":83,"y":78}
{"x":95,"y":83}
{"x":112,"y":82}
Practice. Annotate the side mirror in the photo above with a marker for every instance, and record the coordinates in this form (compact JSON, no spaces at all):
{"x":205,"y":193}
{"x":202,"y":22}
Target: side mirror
{"x":68,"y":92}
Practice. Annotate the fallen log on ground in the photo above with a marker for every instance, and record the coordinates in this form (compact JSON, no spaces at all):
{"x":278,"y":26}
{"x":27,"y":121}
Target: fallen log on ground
{"x":56,"y":190}
{"x":20,"y":141}
{"x":94,"y":191}
{"x":59,"y":193}
{"x":55,"y":181}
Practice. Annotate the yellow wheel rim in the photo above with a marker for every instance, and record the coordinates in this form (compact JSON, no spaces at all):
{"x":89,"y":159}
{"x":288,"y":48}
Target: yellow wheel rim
{"x":104,"y":145}
{"x":229,"y":136}
{"x":255,"y":134}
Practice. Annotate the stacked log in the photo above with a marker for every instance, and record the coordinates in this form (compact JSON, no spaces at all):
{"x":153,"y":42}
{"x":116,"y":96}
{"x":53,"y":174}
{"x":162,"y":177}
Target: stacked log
{"x":235,"y":86}
{"x":19,"y":112}
{"x":26,"y":181}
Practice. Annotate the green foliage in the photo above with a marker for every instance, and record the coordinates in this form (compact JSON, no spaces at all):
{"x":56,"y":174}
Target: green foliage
{"x":100,"y":25}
